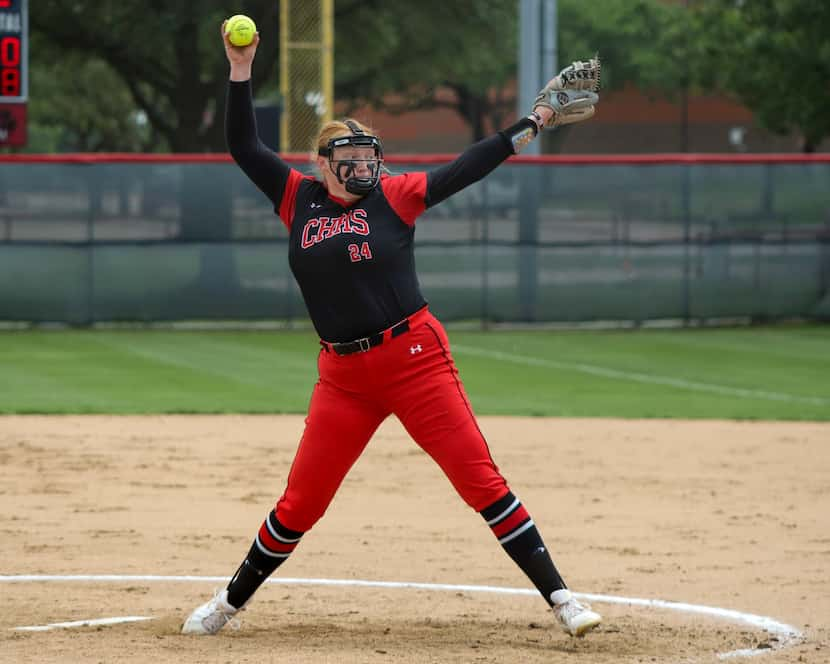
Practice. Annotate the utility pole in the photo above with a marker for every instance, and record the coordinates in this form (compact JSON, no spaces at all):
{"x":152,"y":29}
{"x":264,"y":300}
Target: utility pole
{"x":537,"y":64}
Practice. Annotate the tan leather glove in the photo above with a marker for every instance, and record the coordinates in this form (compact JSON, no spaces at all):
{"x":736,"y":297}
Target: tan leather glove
{"x":572,"y":93}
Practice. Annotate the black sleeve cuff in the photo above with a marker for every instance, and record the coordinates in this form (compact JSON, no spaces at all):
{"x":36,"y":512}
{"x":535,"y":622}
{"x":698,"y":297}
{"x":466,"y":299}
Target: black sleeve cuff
{"x":520,"y":134}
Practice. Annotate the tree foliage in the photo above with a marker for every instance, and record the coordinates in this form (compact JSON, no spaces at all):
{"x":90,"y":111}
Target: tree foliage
{"x":405,"y":56}
{"x":417,"y":50}
{"x":393,"y":56}
{"x":642,"y":42}
{"x":774,"y":56}
{"x":166,"y":54}
{"x":70,"y":113}
{"x":95,"y":63}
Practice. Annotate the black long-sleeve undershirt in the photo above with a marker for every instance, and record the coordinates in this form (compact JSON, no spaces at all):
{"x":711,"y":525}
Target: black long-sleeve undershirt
{"x":261,"y":164}
{"x":270,"y":173}
{"x":470,"y":166}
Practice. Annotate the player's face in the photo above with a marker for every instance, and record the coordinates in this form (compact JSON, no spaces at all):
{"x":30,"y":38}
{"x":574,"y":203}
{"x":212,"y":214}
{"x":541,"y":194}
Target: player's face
{"x":361,"y":161}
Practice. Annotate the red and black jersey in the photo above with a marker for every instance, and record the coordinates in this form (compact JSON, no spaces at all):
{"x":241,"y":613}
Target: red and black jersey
{"x":354,"y":263}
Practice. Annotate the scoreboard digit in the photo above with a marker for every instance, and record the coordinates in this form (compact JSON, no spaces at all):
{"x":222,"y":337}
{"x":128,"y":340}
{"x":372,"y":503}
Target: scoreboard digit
{"x":13,"y":51}
{"x":14,"y":71}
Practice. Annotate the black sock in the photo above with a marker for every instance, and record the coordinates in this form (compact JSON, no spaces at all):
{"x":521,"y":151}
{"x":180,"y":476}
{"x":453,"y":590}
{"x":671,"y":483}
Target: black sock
{"x":518,"y":535}
{"x":272,"y":546}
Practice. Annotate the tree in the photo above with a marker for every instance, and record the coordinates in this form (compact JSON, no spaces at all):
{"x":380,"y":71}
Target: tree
{"x":393,"y":56}
{"x":774,"y":56}
{"x":642,"y":42}
{"x":406,"y":56}
{"x":74,"y":116}
{"x":167,"y":54}
{"x":475,"y":53}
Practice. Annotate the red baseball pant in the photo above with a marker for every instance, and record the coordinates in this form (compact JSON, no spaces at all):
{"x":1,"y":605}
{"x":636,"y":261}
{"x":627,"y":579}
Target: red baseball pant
{"x":412,"y":376}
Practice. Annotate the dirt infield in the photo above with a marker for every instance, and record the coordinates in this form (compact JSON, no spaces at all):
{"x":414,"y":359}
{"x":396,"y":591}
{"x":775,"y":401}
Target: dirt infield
{"x":722,"y":514}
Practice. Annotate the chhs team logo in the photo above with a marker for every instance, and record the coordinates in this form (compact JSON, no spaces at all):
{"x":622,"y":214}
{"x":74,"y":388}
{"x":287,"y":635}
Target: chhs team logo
{"x":322,"y":228}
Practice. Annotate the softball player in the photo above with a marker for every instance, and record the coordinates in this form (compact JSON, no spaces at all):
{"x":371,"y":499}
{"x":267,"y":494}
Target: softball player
{"x":383,"y":352}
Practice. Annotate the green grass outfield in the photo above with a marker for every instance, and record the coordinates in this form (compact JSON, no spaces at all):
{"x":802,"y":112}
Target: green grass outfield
{"x":737,"y":373}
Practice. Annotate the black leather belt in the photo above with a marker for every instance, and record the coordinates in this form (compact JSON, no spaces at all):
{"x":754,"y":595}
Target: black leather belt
{"x":366,"y":343}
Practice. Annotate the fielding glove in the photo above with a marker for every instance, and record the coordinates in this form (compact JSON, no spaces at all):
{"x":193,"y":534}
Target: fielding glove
{"x":568,"y":106}
{"x":572,"y":93}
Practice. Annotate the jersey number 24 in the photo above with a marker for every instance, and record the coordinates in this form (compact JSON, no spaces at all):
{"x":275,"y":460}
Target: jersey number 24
{"x":363,"y":252}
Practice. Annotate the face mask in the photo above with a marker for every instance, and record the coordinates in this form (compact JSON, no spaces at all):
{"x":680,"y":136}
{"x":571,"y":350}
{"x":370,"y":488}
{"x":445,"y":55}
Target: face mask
{"x":346,"y":170}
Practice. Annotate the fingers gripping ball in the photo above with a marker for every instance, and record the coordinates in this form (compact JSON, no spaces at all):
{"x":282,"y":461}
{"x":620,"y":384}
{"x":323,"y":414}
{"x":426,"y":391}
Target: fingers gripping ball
{"x":240,"y":30}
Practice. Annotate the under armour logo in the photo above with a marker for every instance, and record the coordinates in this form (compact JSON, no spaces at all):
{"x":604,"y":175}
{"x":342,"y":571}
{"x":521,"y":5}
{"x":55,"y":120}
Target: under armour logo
{"x":415,"y":349}
{"x":314,"y":206}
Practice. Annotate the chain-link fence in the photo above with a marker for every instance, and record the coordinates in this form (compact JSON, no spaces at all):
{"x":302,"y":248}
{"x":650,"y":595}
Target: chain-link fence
{"x":306,"y":70}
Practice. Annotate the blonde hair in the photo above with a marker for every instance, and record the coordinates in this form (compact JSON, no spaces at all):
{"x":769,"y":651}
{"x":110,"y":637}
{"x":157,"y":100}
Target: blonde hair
{"x":336,"y":129}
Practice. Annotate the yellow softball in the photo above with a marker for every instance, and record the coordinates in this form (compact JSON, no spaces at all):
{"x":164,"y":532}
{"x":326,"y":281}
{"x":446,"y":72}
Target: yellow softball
{"x":240,"y":29}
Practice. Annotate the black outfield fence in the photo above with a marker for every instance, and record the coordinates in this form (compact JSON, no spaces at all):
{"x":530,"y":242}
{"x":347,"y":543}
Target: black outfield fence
{"x":143,"y":238}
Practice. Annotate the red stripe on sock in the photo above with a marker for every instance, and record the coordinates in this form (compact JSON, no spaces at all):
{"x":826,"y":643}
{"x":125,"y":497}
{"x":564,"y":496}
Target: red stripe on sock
{"x":273,"y":544}
{"x":511,"y":522}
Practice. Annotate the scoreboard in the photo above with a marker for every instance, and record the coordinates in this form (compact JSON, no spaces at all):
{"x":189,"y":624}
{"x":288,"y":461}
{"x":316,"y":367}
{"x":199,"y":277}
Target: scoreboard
{"x":13,"y":51}
{"x":14,"y":71}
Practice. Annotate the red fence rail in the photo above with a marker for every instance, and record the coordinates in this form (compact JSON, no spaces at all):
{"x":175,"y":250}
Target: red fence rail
{"x":436,"y":158}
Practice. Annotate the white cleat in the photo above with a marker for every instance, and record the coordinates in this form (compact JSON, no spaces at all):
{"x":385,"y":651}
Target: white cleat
{"x":575,"y":618}
{"x":211,"y":616}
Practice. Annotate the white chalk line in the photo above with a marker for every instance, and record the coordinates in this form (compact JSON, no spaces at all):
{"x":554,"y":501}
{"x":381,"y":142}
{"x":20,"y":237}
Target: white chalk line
{"x":633,"y":376}
{"x":92,"y":622}
{"x":786,"y":635}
